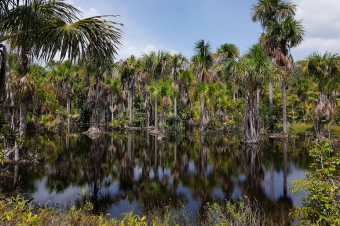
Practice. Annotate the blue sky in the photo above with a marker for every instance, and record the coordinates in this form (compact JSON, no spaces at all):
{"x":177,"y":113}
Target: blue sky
{"x":174,"y":25}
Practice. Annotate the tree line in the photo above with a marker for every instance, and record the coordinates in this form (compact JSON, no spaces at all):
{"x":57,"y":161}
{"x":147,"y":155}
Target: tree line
{"x":218,"y":90}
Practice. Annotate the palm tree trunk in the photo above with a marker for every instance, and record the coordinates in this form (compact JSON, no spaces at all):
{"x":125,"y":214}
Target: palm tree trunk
{"x":175,"y":153}
{"x":234,"y":93}
{"x":23,"y":118}
{"x":96,"y":116}
{"x":323,"y":110}
{"x":271,"y":120}
{"x":112,"y":107}
{"x":237,"y":96}
{"x":258,"y":96}
{"x":68,"y":109}
{"x":16,"y":152}
{"x":156,"y":118}
{"x":251,"y":123}
{"x":68,"y":139}
{"x":130,"y":106}
{"x":175,"y":113}
{"x":284,"y":107}
{"x":9,"y":102}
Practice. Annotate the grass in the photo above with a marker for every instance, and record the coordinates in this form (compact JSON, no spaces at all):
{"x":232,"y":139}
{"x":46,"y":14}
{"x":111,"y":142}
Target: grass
{"x":302,"y":128}
{"x":16,"y":211}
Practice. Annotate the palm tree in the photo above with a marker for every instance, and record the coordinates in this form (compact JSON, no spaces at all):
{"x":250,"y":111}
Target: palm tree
{"x":202,"y":62}
{"x":281,"y":32}
{"x":324,"y":70}
{"x":145,"y":75}
{"x":98,"y":93}
{"x":186,"y":79}
{"x":45,"y":28}
{"x":115,"y":88}
{"x":250,"y":71}
{"x":165,"y":95}
{"x":178,"y":62}
{"x":266,"y":11}
{"x":279,"y":39}
{"x":155,"y":93}
{"x":128,"y":71}
{"x":162,"y":65}
{"x":63,"y":74}
{"x":225,"y":53}
{"x":153,"y":66}
{"x":25,"y":90}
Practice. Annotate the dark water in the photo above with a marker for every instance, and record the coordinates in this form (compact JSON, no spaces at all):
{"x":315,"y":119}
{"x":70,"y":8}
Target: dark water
{"x":135,"y":172}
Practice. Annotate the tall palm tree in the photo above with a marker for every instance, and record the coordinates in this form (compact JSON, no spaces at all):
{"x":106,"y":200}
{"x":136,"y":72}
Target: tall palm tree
{"x":63,"y":75}
{"x":281,"y":32}
{"x":165,"y":96}
{"x":225,"y":53}
{"x":25,"y":90}
{"x":145,"y":76}
{"x":266,"y":11}
{"x":250,"y":72}
{"x":186,"y":79}
{"x":178,"y":62}
{"x":279,"y":39}
{"x":162,"y":65}
{"x":128,"y":72}
{"x":202,"y":62}
{"x":154,"y":66}
{"x":115,"y":89}
{"x":324,"y":70}
{"x":155,"y":93}
{"x":45,"y":28}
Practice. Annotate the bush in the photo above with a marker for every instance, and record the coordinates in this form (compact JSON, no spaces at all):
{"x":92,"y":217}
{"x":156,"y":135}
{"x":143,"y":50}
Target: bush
{"x":119,"y":121}
{"x":322,"y":204}
{"x":242,"y":213}
{"x":16,"y":211}
{"x":215,"y":124}
{"x":139,"y":118}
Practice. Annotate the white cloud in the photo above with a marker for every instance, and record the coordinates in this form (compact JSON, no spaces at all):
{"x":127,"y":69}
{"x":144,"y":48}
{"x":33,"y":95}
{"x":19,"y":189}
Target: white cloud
{"x":322,"y":25}
{"x":85,"y":12}
{"x":88,"y":13}
{"x":127,"y":49}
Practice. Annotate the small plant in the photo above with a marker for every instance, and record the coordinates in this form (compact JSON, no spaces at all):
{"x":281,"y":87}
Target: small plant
{"x":119,"y":121}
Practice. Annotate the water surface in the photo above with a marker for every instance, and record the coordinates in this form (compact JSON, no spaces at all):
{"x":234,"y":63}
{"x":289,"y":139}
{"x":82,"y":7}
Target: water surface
{"x":136,"y":172}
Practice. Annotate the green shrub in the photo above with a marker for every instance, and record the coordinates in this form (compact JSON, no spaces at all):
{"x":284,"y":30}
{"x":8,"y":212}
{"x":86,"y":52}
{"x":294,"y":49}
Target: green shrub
{"x":322,"y":204}
{"x":214,"y":124}
{"x":119,"y":121}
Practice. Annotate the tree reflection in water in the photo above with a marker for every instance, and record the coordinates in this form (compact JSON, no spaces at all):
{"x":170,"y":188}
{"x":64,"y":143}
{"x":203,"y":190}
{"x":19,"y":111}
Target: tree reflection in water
{"x":146,"y":174}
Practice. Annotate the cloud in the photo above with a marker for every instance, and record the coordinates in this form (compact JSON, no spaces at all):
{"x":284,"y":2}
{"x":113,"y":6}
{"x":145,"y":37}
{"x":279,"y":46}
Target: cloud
{"x":127,"y":49}
{"x":88,"y":13}
{"x":322,"y":25}
{"x":85,"y":12}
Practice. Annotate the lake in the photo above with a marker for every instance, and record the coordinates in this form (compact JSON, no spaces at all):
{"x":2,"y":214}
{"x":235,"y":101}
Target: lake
{"x":133,"y":171}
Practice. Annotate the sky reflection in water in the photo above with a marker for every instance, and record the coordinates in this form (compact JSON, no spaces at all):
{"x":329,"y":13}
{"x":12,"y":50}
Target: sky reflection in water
{"x":125,"y":172}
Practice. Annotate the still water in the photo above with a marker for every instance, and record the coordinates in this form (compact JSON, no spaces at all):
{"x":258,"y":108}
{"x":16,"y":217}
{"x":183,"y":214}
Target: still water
{"x":135,"y":172}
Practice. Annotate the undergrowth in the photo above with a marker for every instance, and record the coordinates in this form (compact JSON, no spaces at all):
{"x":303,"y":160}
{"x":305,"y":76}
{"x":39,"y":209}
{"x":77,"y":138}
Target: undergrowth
{"x":17,"y":211}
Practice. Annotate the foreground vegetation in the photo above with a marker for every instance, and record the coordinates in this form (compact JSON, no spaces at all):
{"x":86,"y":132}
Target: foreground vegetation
{"x":15,"y":211}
